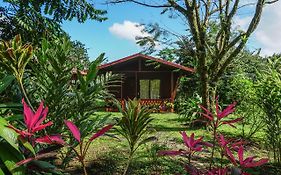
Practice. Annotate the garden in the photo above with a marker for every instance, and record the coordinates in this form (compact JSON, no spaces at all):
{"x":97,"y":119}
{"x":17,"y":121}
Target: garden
{"x":227,"y":118}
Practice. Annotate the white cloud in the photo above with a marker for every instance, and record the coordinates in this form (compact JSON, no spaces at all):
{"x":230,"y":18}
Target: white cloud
{"x":128,"y":30}
{"x":241,"y":23}
{"x":268,"y":33}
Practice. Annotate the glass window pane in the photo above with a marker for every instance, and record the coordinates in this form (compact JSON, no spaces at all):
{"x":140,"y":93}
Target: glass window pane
{"x":144,"y":89}
{"x":155,"y":89}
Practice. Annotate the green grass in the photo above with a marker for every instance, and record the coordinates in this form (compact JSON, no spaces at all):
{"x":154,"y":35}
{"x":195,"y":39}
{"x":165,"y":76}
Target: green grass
{"x":108,"y":155}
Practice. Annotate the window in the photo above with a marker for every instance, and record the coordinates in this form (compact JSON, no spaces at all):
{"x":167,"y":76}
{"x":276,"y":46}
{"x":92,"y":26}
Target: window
{"x":150,"y":89}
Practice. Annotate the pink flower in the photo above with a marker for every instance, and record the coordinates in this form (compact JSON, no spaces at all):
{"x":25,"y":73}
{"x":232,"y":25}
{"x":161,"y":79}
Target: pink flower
{"x":33,"y":121}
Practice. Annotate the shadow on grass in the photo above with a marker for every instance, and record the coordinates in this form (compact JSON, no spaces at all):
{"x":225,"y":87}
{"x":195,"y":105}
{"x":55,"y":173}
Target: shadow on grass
{"x":114,"y":162}
{"x":168,"y":129}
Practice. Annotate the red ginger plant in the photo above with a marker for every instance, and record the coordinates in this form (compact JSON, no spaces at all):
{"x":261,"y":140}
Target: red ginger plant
{"x":33,"y":122}
{"x":217,"y":119}
{"x":192,"y":145}
{"x":83,"y":147}
{"x":226,"y":146}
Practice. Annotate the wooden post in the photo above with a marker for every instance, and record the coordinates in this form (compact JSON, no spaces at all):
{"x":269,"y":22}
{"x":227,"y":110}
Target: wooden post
{"x":172,"y":91}
{"x":136,"y":84}
{"x":122,"y":100}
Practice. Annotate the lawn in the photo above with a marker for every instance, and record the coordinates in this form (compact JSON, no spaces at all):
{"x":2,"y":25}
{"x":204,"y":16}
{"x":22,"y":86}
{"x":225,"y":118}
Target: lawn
{"x":108,"y":155}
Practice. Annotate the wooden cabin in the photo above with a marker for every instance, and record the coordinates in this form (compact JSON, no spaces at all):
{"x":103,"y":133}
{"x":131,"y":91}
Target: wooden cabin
{"x":152,"y":80}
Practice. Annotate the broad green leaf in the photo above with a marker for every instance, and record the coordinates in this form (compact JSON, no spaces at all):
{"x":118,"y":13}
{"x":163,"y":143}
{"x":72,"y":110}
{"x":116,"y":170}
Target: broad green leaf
{"x":5,"y":82}
{"x":94,"y":68}
{"x":8,"y":134}
{"x":1,"y":172}
{"x":27,"y":145}
{"x":10,"y":157}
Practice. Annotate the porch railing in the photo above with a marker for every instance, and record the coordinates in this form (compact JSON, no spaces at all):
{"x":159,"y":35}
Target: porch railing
{"x":156,"y":105}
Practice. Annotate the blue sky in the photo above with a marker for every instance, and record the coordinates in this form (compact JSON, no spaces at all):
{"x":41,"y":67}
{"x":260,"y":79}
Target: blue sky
{"x":98,"y":37}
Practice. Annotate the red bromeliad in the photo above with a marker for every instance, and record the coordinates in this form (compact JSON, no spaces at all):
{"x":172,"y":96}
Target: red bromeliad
{"x":82,"y":151}
{"x":33,"y":122}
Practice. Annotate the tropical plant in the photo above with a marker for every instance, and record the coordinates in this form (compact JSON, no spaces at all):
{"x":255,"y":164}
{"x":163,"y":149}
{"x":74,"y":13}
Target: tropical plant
{"x":14,"y":56}
{"x":215,"y":120}
{"x":134,"y":126}
{"x":269,"y":97}
{"x":83,"y":145}
{"x":188,"y":108}
{"x":26,"y":143}
{"x":70,"y":92}
{"x":227,"y":147}
{"x":193,"y":145}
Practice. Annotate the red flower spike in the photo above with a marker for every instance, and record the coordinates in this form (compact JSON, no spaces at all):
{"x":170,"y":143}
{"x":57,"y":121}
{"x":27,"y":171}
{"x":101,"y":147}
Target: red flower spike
{"x":74,"y":130}
{"x":101,"y":132}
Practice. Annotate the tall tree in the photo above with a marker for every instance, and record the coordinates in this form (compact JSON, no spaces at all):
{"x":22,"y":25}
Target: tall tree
{"x":34,"y":19}
{"x":199,"y":15}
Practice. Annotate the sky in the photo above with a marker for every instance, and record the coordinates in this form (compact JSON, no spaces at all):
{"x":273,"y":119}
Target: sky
{"x":116,"y":36}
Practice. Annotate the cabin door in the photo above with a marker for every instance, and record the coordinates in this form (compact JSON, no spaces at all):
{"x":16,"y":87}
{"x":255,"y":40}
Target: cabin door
{"x":149,"y":88}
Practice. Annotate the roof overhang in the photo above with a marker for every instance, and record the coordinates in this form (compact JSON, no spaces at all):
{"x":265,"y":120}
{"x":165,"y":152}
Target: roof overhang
{"x":138,"y":55}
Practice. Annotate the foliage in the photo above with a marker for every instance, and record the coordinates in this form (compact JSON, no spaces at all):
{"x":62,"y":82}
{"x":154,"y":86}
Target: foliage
{"x":188,"y":108}
{"x":193,"y":146}
{"x":218,"y":119}
{"x":14,"y":56}
{"x":26,"y":143}
{"x":37,"y":19}
{"x":227,"y":147}
{"x":270,"y":95}
{"x":83,"y":146}
{"x":134,"y":126}
{"x":51,"y":74}
{"x":57,"y":79}
{"x":244,"y":90}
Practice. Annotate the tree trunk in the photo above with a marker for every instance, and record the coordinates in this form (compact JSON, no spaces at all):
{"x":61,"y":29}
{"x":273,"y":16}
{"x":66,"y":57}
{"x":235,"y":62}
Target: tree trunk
{"x":205,"y":89}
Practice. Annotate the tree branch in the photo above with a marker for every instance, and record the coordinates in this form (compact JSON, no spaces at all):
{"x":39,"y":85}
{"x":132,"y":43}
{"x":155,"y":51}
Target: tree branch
{"x":140,"y":3}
